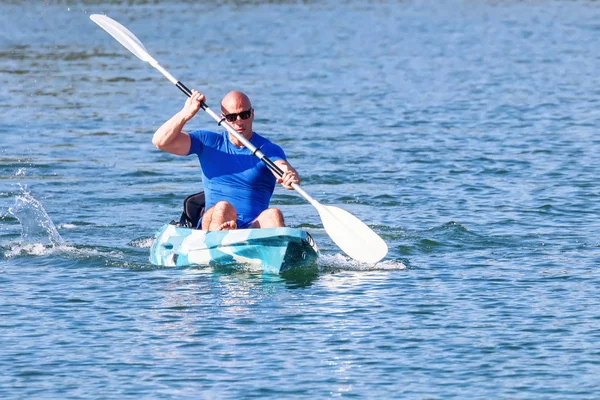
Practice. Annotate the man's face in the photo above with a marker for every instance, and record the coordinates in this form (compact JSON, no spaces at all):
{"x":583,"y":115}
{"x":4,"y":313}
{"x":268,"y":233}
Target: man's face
{"x":239,"y":114}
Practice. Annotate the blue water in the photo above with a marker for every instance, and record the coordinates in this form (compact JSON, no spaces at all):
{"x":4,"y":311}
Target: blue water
{"x":464,"y":133}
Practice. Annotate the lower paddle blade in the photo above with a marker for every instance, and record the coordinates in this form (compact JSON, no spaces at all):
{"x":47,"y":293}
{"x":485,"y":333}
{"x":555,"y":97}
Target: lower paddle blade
{"x":352,"y":235}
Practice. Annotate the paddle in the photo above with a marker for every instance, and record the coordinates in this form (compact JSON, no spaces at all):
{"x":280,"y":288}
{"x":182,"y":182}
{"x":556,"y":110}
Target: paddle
{"x":352,"y":235}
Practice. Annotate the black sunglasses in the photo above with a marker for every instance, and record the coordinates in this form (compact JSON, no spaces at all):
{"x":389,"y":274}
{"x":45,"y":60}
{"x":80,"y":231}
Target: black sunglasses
{"x":243,"y":115}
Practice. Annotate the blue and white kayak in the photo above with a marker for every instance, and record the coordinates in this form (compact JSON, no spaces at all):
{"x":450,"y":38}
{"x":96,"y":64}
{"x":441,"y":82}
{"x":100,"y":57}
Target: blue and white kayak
{"x":274,"y":250}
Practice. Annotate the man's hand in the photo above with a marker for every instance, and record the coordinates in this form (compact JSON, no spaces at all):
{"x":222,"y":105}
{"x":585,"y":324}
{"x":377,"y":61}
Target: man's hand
{"x":192,"y":105}
{"x":290,"y":176}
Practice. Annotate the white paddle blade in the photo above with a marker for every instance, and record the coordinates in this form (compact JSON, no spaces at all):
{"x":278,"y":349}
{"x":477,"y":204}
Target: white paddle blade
{"x":352,"y":235}
{"x":123,"y":36}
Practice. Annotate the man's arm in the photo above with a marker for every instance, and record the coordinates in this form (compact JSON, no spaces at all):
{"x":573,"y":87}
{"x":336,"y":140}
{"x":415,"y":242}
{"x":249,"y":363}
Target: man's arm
{"x":289,"y":174}
{"x":170,"y":137}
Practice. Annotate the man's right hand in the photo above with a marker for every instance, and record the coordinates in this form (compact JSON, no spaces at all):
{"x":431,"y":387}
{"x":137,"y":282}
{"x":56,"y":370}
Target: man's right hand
{"x":192,"y":105}
{"x":170,"y":136}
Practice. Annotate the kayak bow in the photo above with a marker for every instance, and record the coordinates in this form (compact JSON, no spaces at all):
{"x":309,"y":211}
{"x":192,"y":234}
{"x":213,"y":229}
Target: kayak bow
{"x":275,"y":250}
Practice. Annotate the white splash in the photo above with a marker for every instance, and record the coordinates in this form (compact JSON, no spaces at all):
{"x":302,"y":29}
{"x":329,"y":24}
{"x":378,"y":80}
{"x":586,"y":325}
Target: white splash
{"x":38,"y":249}
{"x":36,"y":225}
{"x":342,"y":262}
{"x":143,"y":243}
{"x":68,"y":226}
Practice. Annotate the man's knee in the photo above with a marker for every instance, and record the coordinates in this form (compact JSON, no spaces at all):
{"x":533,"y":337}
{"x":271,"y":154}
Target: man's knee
{"x":223,"y":211}
{"x":272,"y":217}
{"x":274,"y":213}
{"x":220,"y":213}
{"x":222,"y":206}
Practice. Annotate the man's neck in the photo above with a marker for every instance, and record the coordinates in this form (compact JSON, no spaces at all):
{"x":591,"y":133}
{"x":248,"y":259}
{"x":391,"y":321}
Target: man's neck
{"x":236,"y":142}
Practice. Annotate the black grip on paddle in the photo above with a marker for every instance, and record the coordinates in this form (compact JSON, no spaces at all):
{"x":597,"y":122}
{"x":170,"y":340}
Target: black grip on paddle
{"x":188,"y":93}
{"x":184,"y":89}
{"x":272,"y":166}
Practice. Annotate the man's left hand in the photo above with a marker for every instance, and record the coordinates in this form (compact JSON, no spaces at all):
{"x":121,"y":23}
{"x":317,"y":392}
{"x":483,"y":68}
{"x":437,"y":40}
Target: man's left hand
{"x":290,"y":176}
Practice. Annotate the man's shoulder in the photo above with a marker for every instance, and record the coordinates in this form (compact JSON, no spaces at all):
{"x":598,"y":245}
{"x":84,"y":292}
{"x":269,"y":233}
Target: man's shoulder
{"x":261,"y":140}
{"x":200,"y":139}
{"x":268,"y":147}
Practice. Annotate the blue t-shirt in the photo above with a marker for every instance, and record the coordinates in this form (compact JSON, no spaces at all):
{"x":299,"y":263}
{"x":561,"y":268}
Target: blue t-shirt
{"x":235,"y":175}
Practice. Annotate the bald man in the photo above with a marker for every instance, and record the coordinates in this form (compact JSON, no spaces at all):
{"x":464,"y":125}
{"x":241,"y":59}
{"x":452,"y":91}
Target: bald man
{"x":237,"y":185}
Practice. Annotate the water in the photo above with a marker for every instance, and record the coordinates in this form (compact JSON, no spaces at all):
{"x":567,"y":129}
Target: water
{"x":464,"y":133}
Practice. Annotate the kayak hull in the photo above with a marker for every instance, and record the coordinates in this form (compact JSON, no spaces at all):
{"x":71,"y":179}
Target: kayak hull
{"x":273,"y":250}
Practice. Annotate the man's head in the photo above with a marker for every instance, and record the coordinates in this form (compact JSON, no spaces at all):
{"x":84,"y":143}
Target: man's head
{"x":237,"y":110}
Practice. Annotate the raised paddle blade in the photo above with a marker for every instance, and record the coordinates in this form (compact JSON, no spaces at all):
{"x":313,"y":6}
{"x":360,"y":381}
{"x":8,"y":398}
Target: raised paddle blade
{"x":352,"y":235}
{"x":123,"y":36}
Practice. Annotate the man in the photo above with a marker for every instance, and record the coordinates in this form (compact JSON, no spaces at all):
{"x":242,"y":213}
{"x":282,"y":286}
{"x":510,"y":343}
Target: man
{"x":237,"y":185}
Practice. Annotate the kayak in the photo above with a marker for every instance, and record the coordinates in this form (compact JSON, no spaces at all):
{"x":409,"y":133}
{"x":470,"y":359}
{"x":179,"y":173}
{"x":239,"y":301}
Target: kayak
{"x":273,"y":250}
